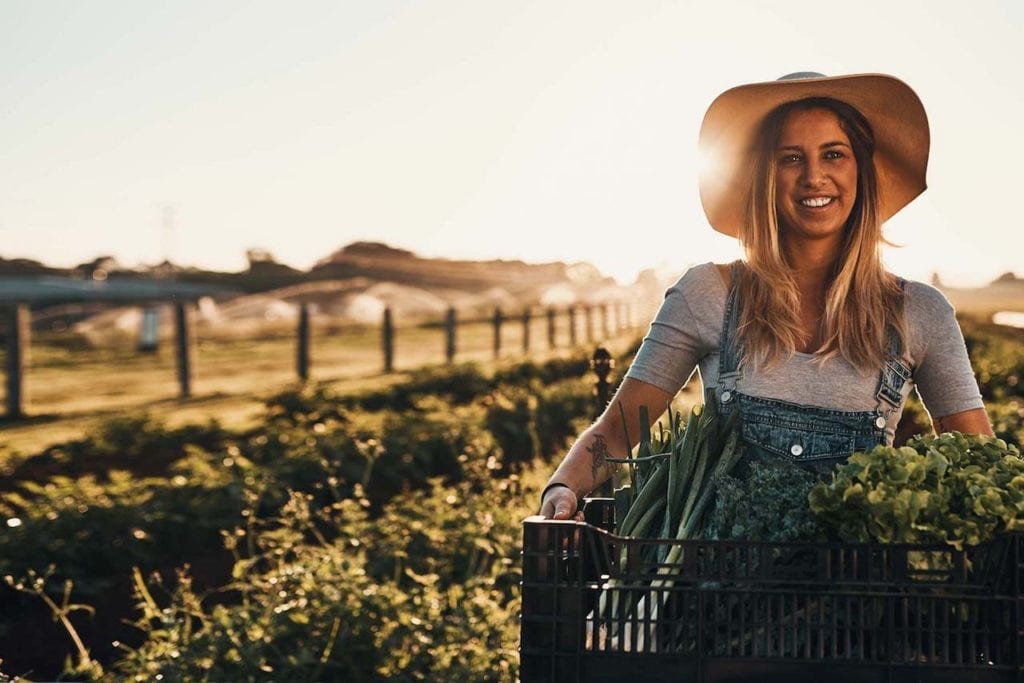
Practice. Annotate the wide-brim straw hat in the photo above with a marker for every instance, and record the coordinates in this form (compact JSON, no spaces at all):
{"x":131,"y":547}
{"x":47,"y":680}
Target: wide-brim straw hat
{"x":727,"y":138}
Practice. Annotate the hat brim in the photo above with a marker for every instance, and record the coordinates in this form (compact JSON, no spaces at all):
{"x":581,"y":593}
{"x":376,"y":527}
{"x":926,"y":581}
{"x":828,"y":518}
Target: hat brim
{"x":730,"y":125}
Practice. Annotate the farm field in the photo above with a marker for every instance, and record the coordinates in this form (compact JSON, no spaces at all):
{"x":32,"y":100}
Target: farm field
{"x":71,"y":387}
{"x":341,"y":533}
{"x":391,"y":464}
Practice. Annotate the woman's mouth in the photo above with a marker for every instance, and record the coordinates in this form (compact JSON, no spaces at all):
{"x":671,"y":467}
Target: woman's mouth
{"x":816,"y":202}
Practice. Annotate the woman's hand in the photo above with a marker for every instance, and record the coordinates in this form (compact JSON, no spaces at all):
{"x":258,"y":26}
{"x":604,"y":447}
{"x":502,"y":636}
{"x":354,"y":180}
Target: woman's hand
{"x":968,"y":422}
{"x":560,"y":503}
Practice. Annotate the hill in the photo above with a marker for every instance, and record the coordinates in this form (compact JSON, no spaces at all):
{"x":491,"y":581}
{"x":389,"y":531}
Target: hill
{"x":373,"y":261}
{"x":355,"y":283}
{"x":1005,"y":293}
{"x":522,"y":280}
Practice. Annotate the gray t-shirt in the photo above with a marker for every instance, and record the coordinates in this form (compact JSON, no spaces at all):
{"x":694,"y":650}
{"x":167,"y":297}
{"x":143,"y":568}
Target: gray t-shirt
{"x":685,"y":334}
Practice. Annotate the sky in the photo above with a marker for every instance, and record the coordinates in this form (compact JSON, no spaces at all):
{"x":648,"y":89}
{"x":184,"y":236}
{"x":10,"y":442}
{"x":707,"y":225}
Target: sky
{"x":534,"y":130}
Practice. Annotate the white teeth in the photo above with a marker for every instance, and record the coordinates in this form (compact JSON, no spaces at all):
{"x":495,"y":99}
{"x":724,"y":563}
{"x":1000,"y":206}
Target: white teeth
{"x":816,"y":201}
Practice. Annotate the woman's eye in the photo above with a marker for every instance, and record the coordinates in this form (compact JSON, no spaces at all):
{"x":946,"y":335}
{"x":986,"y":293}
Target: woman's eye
{"x":834,"y":154}
{"x":790,"y":159}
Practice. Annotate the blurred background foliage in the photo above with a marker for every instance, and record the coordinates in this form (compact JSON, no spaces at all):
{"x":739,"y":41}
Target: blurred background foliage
{"x":358,"y":537}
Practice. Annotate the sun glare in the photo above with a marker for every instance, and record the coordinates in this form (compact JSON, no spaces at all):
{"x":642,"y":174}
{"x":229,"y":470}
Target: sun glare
{"x":709,"y":160}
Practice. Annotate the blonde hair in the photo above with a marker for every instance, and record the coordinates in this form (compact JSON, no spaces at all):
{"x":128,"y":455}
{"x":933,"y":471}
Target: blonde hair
{"x":862,"y":302}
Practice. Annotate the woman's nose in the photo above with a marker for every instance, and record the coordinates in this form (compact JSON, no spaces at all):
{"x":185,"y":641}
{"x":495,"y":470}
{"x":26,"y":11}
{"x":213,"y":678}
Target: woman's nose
{"x":814,"y":174}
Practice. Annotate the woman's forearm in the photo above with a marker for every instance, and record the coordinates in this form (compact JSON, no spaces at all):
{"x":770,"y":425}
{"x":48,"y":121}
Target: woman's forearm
{"x":586,"y":465}
{"x":968,"y":422}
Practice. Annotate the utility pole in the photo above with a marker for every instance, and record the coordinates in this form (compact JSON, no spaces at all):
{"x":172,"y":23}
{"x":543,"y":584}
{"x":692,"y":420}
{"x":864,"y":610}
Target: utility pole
{"x":168,"y":226}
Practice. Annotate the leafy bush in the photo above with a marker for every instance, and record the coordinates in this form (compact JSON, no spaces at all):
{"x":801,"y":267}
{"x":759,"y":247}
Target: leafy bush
{"x":950,"y":488}
{"x":997,"y":355}
{"x":1008,"y":421}
{"x":563,"y":411}
{"x":459,"y":385}
{"x":94,"y":533}
{"x":415,"y":566}
{"x":462,"y":384}
{"x":304,"y":407}
{"x":511,"y":419}
{"x":138,"y":443}
{"x":395,"y":598}
{"x":548,"y":372}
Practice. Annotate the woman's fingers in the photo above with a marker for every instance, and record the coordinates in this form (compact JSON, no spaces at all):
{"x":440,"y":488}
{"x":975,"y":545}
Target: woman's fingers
{"x":560,"y":503}
{"x":563,"y":508}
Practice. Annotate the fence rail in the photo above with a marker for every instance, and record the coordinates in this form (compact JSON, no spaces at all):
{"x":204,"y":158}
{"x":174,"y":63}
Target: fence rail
{"x":315,"y":348}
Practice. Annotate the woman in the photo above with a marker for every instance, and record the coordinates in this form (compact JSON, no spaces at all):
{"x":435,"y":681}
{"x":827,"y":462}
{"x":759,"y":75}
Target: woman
{"x":808,"y":337}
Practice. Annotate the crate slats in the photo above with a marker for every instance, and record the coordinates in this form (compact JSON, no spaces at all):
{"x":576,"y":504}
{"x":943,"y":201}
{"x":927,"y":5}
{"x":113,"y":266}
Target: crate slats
{"x":836,"y":612}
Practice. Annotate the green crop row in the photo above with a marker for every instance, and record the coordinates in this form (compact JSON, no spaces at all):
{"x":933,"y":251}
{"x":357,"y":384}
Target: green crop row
{"x":361,"y":538}
{"x":331,"y":543}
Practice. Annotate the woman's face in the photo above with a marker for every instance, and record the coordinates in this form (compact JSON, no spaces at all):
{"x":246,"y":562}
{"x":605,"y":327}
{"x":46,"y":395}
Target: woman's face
{"x":815,"y":176}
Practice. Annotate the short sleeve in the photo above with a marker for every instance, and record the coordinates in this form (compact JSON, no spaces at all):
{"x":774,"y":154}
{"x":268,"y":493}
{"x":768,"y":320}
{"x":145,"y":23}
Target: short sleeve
{"x":943,"y":373}
{"x":678,"y":336}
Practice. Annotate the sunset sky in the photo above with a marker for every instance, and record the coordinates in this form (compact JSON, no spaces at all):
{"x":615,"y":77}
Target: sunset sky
{"x":548,"y":130}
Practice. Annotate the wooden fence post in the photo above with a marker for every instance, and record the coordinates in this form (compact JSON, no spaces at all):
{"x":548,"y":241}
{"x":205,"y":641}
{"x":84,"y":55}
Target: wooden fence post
{"x":617,"y":310}
{"x":588,"y":312}
{"x":449,"y":334}
{"x":497,"y":331}
{"x":526,"y":329}
{"x":17,"y":322}
{"x":604,"y":321}
{"x":602,"y":363}
{"x":572,"y":326}
{"x":183,"y":347}
{"x":149,"y":330}
{"x":302,"y":355}
{"x":551,"y":328}
{"x":387,"y":336}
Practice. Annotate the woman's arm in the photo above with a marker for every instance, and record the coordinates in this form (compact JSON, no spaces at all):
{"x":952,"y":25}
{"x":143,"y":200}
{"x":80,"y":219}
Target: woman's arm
{"x":679,"y":336}
{"x":585,"y":467}
{"x":945,"y":379}
{"x":968,"y":422}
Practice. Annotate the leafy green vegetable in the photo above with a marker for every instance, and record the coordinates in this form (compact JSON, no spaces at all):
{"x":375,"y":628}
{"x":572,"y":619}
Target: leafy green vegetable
{"x":769,"y":504}
{"x":952,"y":488}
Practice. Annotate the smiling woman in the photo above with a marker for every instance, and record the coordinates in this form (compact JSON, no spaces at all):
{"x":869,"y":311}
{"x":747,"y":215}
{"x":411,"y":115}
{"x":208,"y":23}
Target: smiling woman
{"x":808,"y":338}
{"x":816,"y":176}
{"x":813,"y":203}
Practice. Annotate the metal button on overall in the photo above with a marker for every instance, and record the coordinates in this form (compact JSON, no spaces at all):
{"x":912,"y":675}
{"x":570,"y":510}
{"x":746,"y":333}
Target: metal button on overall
{"x":796,"y":449}
{"x":880,"y":422}
{"x":726,"y":396}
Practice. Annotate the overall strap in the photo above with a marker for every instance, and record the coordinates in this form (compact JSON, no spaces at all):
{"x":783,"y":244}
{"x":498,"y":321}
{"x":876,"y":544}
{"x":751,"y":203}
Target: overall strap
{"x":729,"y":347}
{"x":895,"y":373}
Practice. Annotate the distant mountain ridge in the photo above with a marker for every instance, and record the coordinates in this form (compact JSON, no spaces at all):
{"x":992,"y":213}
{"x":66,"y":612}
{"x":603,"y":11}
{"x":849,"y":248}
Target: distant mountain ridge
{"x":364,"y":260}
{"x":1005,"y":293}
{"x":356,"y":284}
{"x":382,"y":262}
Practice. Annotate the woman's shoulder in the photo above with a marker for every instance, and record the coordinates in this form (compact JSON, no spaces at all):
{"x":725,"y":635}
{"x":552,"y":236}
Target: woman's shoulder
{"x":699,"y":294}
{"x":706,"y":278}
{"x":924,"y":300}
{"x":930,"y":318}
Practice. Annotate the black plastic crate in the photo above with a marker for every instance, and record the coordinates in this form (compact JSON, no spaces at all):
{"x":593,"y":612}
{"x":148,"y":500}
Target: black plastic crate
{"x":748,"y":611}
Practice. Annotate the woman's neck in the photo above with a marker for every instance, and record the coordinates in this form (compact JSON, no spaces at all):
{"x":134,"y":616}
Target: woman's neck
{"x":812,"y":263}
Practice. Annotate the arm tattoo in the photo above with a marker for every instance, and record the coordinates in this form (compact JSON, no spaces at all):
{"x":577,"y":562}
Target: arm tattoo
{"x":599,"y":461}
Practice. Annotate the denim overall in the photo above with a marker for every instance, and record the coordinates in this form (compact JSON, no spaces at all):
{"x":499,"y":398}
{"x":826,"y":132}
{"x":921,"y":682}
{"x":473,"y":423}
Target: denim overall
{"x":815,"y":438}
